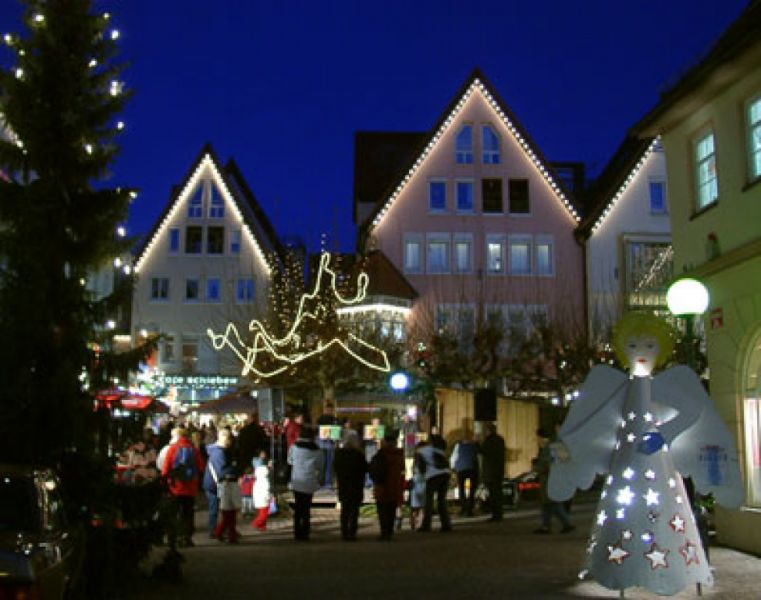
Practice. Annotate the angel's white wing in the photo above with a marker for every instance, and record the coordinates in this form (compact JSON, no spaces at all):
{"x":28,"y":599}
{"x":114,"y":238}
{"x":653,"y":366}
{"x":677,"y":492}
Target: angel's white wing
{"x":589,"y":432}
{"x":705,"y":448}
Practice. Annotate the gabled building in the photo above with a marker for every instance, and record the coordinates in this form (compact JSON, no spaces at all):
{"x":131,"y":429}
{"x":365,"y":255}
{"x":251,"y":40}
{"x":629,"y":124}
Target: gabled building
{"x":473,"y":216}
{"x":627,"y":236}
{"x":207,"y":261}
{"x":710,"y":124}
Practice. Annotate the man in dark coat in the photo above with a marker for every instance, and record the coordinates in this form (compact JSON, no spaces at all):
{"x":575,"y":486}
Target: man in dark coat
{"x":388,"y":466}
{"x":251,"y":441}
{"x":350,"y":467}
{"x":492,"y":449}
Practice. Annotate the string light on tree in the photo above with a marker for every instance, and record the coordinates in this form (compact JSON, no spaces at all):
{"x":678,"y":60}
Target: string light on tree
{"x":289,"y":350}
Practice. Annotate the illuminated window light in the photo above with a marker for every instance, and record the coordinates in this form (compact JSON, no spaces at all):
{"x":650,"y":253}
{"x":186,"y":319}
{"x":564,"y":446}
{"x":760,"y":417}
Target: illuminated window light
{"x":375,"y":308}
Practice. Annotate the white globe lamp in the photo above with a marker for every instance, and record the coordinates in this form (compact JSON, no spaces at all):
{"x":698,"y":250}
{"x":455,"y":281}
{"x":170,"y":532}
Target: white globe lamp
{"x":687,"y":297}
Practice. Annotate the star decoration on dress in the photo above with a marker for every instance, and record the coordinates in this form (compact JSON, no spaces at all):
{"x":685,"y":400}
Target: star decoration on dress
{"x":690,"y":553}
{"x":628,"y":473}
{"x":631,"y":438}
{"x":625,"y":496}
{"x":617,"y":554}
{"x":627,"y":534}
{"x":591,"y":546}
{"x":609,"y":480}
{"x":677,"y":524}
{"x":618,"y":444}
{"x":678,"y":499}
{"x":657,"y":557}
{"x":648,"y":416}
{"x":647,"y":537}
{"x":604,"y":494}
{"x":650,"y":474}
{"x":583,"y":574}
{"x":602,"y":516}
{"x":621,"y":514}
{"x":651,"y":498}
{"x":672,"y":483}
{"x":631,"y":416}
{"x":623,"y":424}
{"x":652,"y":516}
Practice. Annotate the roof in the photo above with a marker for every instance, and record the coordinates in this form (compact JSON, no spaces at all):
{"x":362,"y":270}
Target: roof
{"x":379,"y":156}
{"x":736,"y":52}
{"x":394,"y":184}
{"x":614,"y":179}
{"x":385,"y":278}
{"x":231,"y":178}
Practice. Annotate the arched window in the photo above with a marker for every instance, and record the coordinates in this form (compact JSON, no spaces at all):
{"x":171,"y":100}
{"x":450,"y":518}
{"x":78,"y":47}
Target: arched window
{"x":490,"y":146}
{"x":464,"y":146}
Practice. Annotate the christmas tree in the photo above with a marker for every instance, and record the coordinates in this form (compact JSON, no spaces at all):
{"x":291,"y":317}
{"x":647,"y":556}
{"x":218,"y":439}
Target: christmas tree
{"x":59,"y":100}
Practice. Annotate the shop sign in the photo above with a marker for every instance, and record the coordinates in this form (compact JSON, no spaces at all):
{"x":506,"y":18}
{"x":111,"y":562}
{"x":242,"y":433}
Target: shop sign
{"x":199,"y":381}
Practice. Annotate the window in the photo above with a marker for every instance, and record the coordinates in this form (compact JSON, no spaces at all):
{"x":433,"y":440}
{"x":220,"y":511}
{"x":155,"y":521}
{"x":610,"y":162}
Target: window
{"x":192,"y":290}
{"x":216,"y":203}
{"x":754,"y":138}
{"x":244,"y":292}
{"x":213,"y":290}
{"x":649,"y":267}
{"x":438,"y":254}
{"x":520,"y":256}
{"x":707,"y":182}
{"x":215,"y":240}
{"x":657,"y":197}
{"x":437,"y":196}
{"x":518,"y":191}
{"x":495,"y":254}
{"x":491,"y":195}
{"x":490,"y":146}
{"x":752,"y":399}
{"x":466,"y":328}
{"x":443,"y":318}
{"x":160,"y":288}
{"x":193,"y":239}
{"x":195,"y":208}
{"x":174,"y":241}
{"x":463,"y":253}
{"x":543,"y":256}
{"x":465,"y":196}
{"x":189,"y":353}
{"x":464,"y":146}
{"x":413,"y":246}
{"x":235,"y":241}
{"x":167,"y":349}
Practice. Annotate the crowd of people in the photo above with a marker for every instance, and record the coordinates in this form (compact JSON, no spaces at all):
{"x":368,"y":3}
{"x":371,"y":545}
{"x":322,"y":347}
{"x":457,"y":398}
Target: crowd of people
{"x":234,"y":470}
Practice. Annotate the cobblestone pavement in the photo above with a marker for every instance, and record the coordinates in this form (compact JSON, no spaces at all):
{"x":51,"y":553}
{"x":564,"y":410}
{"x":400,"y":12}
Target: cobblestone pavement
{"x":477,"y":560}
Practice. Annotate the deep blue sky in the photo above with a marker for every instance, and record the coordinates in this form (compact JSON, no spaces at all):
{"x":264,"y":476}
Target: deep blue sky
{"x":282,"y":86}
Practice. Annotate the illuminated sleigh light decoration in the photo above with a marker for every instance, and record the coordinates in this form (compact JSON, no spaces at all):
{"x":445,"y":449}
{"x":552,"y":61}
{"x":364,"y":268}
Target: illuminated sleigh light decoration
{"x":287,"y":351}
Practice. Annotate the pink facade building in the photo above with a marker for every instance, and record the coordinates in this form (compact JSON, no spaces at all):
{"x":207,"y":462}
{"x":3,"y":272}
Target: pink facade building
{"x":474,"y":217}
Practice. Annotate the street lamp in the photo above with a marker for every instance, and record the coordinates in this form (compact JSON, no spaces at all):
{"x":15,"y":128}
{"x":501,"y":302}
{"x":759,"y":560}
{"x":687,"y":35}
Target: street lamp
{"x":686,"y":298}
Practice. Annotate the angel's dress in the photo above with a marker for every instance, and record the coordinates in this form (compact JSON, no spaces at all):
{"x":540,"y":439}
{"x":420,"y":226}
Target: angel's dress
{"x":644,"y":533}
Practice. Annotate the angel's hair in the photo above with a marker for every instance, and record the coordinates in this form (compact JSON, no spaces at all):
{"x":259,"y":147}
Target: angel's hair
{"x":641,"y":323}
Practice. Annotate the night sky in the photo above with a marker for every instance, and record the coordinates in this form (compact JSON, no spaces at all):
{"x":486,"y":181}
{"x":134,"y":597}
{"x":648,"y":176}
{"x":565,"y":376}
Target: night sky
{"x":282,"y":86}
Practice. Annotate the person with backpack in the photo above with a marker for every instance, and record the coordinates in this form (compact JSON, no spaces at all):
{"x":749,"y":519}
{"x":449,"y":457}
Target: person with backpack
{"x":219,"y":462}
{"x":431,"y":460}
{"x":181,"y":470}
{"x":387,"y":472}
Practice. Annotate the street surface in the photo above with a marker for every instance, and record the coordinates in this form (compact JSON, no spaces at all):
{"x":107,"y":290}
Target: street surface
{"x":477,"y":560}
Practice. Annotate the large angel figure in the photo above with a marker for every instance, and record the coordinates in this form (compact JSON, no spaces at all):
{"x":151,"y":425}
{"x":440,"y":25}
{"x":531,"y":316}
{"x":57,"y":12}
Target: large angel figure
{"x":645,"y":433}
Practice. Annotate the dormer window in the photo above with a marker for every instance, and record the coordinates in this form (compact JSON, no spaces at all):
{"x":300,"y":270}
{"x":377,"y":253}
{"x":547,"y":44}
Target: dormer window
{"x":195,"y":208}
{"x":464,"y":146}
{"x":216,"y":204}
{"x":490,"y":146}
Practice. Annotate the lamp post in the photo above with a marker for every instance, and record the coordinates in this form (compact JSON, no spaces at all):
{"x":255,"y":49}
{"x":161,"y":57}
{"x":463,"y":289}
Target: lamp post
{"x":687,"y":298}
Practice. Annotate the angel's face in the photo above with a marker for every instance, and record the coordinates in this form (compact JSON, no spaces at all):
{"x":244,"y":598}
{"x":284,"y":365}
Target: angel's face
{"x":642,"y":353}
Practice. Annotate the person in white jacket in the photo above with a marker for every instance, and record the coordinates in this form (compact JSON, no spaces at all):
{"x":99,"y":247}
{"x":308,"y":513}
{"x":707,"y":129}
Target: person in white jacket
{"x":262,"y":495}
{"x":306,"y":461}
